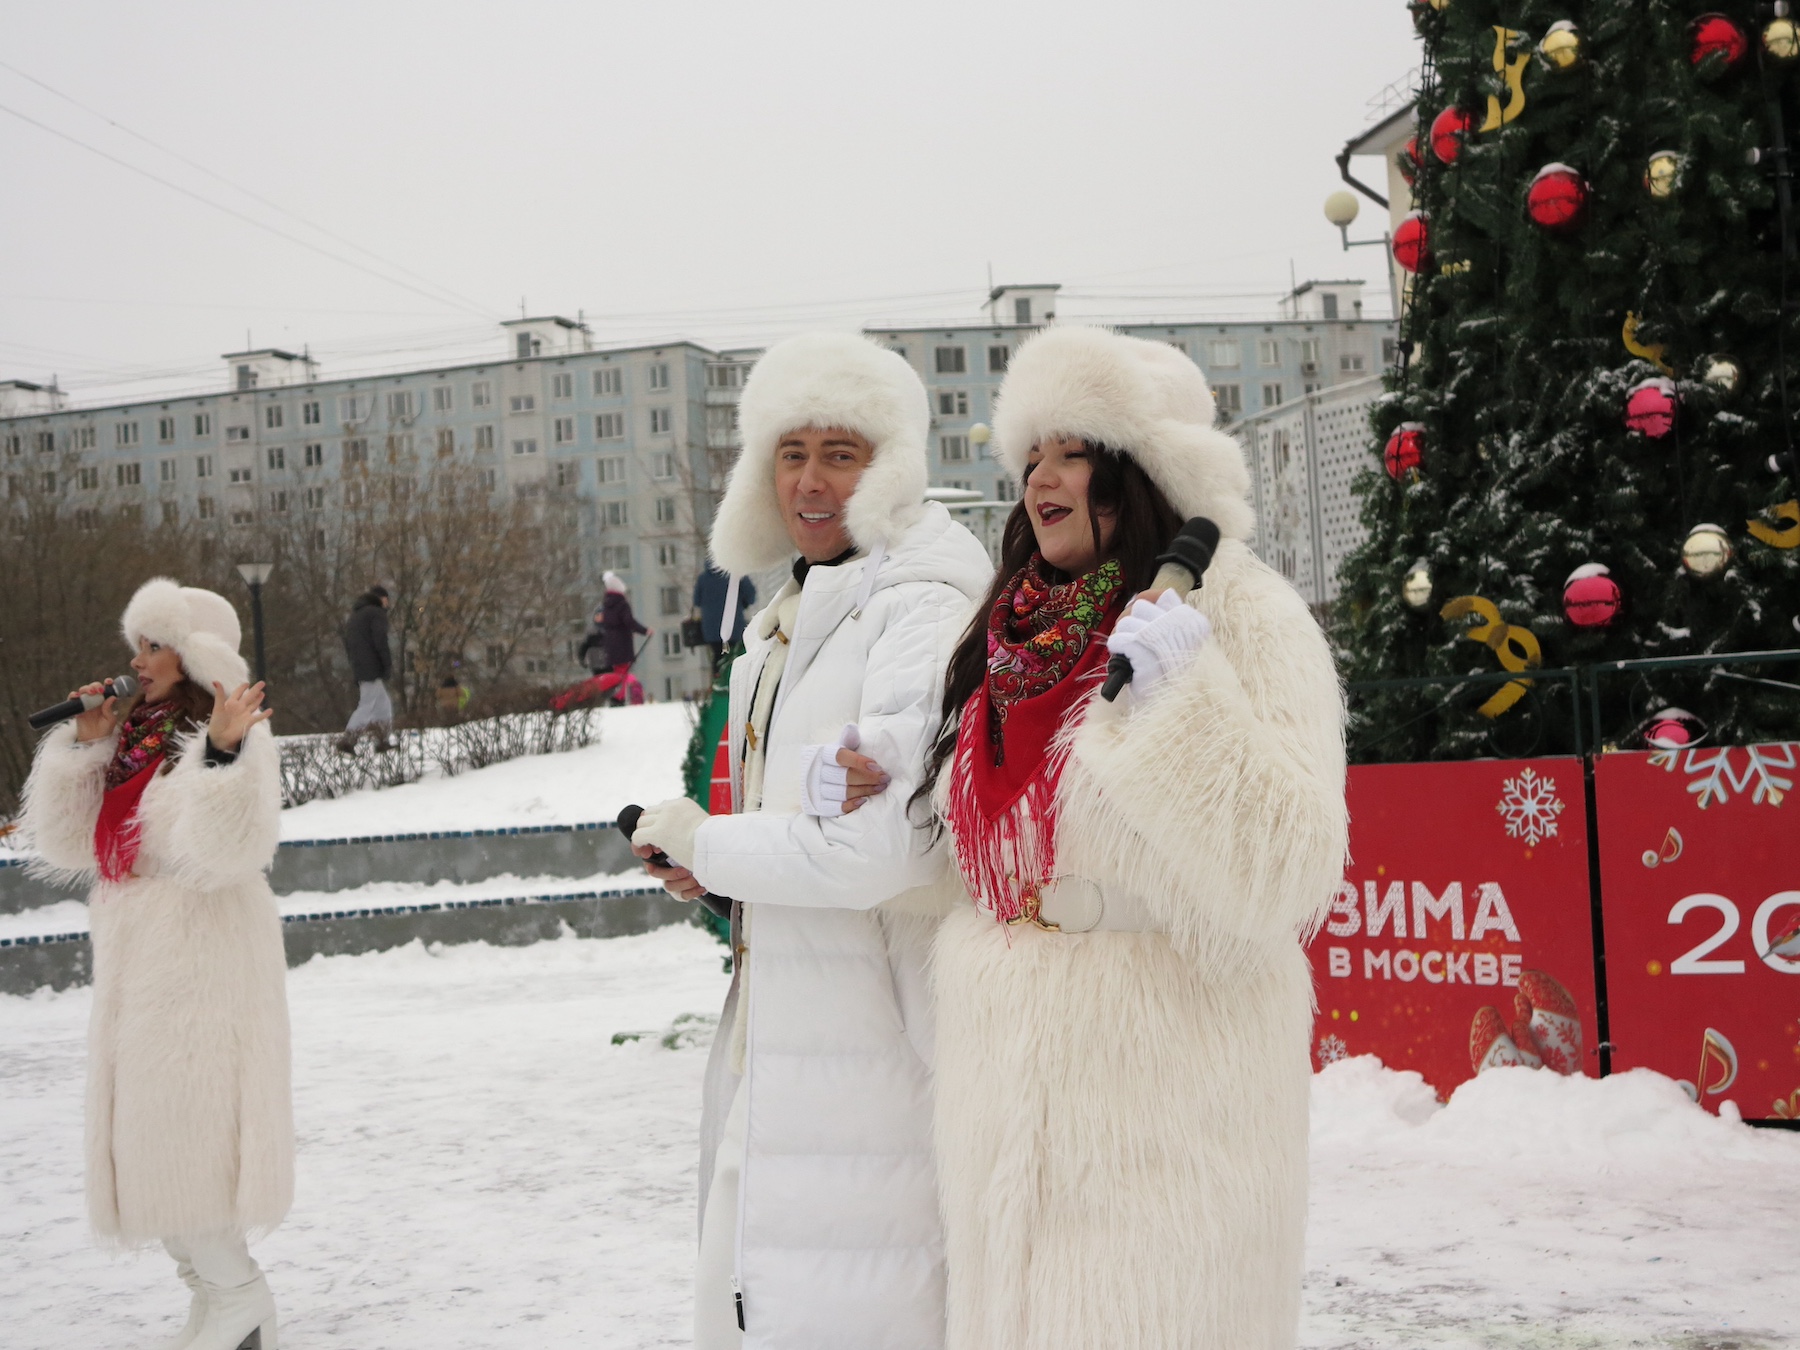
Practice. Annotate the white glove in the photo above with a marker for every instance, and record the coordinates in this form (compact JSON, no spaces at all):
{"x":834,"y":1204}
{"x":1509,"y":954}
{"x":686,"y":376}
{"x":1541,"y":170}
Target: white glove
{"x":824,"y":783}
{"x":1159,"y":638}
{"x":671,"y":826}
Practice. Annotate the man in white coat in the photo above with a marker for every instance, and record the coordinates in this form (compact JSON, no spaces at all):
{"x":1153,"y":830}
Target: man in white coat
{"x":819,"y":1226}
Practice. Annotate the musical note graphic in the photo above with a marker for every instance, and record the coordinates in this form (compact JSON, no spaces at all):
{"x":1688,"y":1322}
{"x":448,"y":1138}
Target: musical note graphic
{"x":1670,"y":851}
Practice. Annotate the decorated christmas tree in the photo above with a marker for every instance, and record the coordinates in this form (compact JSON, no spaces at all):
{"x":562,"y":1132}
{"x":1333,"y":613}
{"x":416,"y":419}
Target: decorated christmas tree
{"x":1587,"y":448}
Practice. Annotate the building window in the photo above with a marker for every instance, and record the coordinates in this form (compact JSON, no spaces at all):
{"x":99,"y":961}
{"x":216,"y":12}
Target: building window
{"x":87,"y":479}
{"x":46,"y":442}
{"x":952,"y":361}
{"x":353,"y":494}
{"x":615,"y":515}
{"x":562,"y":385}
{"x":202,"y":425}
{"x":481,"y":394}
{"x":658,"y":376}
{"x":954,"y":449}
{"x":1329,"y":302}
{"x":724,"y":377}
{"x":356,"y":451}
{"x":165,"y":471}
{"x":564,"y":430}
{"x":609,"y":426}
{"x":1022,"y":309}
{"x":953,"y":403}
{"x":277,"y":457}
{"x":523,"y":403}
{"x":489,"y":477}
{"x":1309,"y":354}
{"x":238,"y":475}
{"x":484,"y":438}
{"x":15,"y":443}
{"x":203,"y":466}
{"x":998,"y":356}
{"x":446,"y":442}
{"x":568,"y":474}
{"x":129,"y":475}
{"x":662,"y":465}
{"x":313,"y":499}
{"x":1268,"y":351}
{"x":1225,"y":352}
{"x":207,"y":508}
{"x":313,"y":455}
{"x":611,"y":468}
{"x":1389,"y":348}
{"x":86,"y":518}
{"x":400,"y":405}
{"x":353,"y":408}
{"x":171,"y":513}
{"x":272,"y":417}
{"x":671,"y":642}
{"x":1181,"y":346}
{"x":1350,"y":363}
{"x":662,"y":420}
{"x":126,"y":433}
{"x":722,"y":426}
{"x":608,"y":381}
{"x":243,"y":518}
{"x":47,"y":482}
{"x":665,"y":510}
{"x":309,"y":414}
{"x":165,"y":429}
{"x":1271,"y":396}
{"x":234,"y":434}
{"x":1229,"y":397}
{"x":615,"y":557}
{"x":669,"y":601}
{"x":278,"y":503}
{"x":668,"y":555}
{"x":525,"y":447}
{"x":1005,"y":490}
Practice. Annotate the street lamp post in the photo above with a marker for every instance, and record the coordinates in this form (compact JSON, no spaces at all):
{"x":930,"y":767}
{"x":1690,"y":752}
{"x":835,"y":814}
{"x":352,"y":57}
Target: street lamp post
{"x":254,"y":575}
{"x":1341,"y":210}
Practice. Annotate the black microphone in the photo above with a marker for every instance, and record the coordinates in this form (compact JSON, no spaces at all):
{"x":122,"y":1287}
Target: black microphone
{"x":1178,"y":569}
{"x":628,"y":823}
{"x":119,"y":686}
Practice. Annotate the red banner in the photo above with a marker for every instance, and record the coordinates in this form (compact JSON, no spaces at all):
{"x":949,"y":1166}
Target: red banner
{"x":1699,"y":865}
{"x":1461,"y":938}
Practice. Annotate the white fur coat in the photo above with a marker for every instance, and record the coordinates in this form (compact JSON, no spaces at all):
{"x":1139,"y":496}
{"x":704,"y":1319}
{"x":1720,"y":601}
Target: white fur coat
{"x":1122,"y":1117}
{"x":189,"y":1115}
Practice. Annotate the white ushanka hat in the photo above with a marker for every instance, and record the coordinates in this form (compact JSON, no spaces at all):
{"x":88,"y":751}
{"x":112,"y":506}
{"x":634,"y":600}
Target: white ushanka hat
{"x":825,"y":380}
{"x":1146,"y":399}
{"x":200,"y":625}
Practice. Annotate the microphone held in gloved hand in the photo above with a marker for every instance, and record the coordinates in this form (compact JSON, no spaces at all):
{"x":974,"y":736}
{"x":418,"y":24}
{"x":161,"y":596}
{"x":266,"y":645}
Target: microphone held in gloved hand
{"x":119,"y":686}
{"x":1179,"y":569}
{"x":628,"y":823}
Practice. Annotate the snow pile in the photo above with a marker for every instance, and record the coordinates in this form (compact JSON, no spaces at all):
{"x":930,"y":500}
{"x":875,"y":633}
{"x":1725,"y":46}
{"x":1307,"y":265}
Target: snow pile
{"x":638,"y":758}
{"x":1537,"y":1209}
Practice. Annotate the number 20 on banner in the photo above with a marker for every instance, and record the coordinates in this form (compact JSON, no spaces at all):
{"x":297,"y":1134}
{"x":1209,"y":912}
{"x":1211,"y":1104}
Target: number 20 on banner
{"x":1779,"y":950}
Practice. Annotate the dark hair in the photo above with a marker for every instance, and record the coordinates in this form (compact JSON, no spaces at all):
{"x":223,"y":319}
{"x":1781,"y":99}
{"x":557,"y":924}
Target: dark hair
{"x":1145,"y":522}
{"x":193,"y":707}
{"x":379,"y":592}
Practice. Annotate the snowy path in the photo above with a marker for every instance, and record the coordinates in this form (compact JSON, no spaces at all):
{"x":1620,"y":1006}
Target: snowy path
{"x":481,"y":1168}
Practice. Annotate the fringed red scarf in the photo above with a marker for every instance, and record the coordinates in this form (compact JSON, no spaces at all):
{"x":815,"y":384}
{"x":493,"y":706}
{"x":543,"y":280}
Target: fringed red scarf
{"x":1043,"y":657}
{"x":142,"y":744}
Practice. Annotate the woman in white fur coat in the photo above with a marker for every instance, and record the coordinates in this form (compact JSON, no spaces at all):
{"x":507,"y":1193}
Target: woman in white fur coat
{"x":1124,"y":1010}
{"x":170,"y":805}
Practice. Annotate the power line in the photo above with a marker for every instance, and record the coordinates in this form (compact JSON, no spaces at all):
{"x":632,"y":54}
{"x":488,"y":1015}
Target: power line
{"x":236,"y":215}
{"x":238,"y":187}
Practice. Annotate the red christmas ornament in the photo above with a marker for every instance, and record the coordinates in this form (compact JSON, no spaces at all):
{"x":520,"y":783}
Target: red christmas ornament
{"x":1716,"y":33}
{"x":1558,"y":197}
{"x":1405,"y":448}
{"x":1412,"y":242}
{"x":1673,"y":729}
{"x":1447,"y":131}
{"x":1591,"y":597}
{"x":1650,"y":407}
{"x":1408,"y":161}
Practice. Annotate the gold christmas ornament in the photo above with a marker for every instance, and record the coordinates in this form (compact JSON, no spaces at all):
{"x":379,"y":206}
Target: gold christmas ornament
{"x":1723,"y":374}
{"x":1561,"y":47}
{"x":1784,"y":532}
{"x":1416,"y":588}
{"x":1706,"y":552}
{"x":1511,"y":70}
{"x":1781,"y":40}
{"x":1663,"y":173}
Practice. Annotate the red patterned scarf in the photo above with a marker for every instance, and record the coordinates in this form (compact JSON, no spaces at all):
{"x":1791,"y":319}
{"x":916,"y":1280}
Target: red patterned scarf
{"x":1043,"y":657}
{"x":142,"y":744}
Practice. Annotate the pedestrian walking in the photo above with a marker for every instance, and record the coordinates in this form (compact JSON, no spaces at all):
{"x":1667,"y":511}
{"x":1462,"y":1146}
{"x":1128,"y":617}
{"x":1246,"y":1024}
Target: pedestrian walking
{"x":371,"y":665}
{"x":711,"y":589}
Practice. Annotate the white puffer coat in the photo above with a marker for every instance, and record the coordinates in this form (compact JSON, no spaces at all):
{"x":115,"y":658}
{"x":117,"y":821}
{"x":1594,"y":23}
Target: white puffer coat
{"x":189,"y":1117}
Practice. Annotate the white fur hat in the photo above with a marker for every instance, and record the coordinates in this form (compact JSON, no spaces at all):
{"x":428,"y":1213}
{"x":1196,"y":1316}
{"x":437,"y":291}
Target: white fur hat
{"x":1144,"y":398}
{"x":613,"y":582}
{"x":824,"y":380}
{"x":200,"y":625}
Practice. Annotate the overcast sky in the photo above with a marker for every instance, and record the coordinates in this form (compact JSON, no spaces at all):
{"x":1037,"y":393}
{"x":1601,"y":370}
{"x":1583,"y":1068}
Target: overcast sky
{"x":721,"y":172}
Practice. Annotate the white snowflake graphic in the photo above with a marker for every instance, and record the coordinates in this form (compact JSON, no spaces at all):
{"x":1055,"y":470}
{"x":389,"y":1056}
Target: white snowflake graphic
{"x":1332,"y":1049}
{"x":1530,"y":805}
{"x":1713,"y":777}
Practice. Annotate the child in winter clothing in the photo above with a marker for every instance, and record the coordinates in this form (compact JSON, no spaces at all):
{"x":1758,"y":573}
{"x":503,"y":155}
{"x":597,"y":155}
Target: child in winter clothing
{"x":171,"y":805}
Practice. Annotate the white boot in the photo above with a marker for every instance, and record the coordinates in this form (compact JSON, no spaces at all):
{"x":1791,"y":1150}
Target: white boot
{"x":240,"y":1310}
{"x":196,"y":1305}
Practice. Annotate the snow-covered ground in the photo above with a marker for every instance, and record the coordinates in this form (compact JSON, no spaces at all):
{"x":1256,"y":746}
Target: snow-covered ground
{"x":638,"y":758}
{"x":481,"y":1167}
